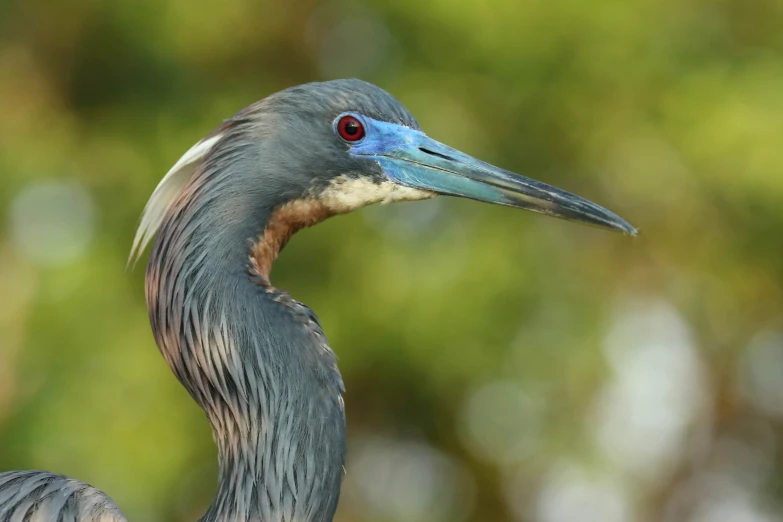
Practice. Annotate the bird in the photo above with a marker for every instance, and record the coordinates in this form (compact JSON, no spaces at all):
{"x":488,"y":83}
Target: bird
{"x":255,"y":359}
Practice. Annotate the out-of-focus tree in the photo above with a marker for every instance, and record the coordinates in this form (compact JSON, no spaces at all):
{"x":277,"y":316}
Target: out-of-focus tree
{"x":500,"y":366}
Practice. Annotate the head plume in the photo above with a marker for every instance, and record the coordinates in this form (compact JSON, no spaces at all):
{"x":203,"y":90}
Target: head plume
{"x":166,"y":192}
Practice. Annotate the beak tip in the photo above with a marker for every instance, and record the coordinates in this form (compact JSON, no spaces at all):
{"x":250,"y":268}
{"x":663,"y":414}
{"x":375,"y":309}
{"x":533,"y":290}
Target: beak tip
{"x":628,"y":229}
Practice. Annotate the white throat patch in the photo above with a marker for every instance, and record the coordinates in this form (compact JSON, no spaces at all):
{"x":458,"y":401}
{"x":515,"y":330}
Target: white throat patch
{"x":345,"y":194}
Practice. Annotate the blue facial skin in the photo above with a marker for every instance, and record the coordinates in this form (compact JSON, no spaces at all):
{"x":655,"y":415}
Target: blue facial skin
{"x":412,"y":159}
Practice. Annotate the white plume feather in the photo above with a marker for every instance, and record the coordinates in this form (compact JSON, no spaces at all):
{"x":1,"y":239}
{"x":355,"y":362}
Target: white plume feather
{"x":166,"y":192}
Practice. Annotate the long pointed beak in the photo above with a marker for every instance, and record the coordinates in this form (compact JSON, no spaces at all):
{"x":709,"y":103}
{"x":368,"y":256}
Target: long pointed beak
{"x":420,"y":162}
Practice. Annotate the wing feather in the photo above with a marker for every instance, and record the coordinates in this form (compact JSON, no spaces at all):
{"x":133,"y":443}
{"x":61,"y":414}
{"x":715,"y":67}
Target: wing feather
{"x":40,"y":496}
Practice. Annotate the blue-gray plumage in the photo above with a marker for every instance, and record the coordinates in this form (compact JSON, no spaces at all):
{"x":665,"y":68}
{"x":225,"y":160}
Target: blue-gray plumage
{"x":253,"y":358}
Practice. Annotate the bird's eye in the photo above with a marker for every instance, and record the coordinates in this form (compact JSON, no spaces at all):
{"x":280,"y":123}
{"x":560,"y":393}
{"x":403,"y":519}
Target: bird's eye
{"x":350,"y":129}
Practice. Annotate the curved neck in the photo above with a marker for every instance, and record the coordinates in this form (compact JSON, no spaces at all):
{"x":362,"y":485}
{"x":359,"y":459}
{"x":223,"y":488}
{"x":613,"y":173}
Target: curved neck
{"x":254,"y":359}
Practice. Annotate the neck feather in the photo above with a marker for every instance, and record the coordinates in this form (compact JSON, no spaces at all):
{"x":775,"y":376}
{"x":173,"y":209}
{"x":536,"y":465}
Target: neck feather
{"x":254,"y":359}
{"x":283,"y":223}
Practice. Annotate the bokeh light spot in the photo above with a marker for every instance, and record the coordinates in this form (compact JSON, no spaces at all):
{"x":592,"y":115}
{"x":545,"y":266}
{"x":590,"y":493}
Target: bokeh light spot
{"x":571,"y":494}
{"x":52,"y":222}
{"x":644,"y":414}
{"x":501,"y":422}
{"x":409,"y":481}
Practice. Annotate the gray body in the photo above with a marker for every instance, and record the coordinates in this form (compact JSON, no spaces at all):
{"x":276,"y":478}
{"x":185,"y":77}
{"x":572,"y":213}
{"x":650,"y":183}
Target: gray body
{"x":253,"y":358}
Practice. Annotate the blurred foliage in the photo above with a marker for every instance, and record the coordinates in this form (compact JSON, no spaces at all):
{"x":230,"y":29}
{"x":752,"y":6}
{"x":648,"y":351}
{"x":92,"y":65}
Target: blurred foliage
{"x":499,"y":365}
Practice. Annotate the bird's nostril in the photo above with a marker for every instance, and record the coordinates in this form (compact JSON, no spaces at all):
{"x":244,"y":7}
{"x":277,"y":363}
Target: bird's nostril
{"x":437,"y":154}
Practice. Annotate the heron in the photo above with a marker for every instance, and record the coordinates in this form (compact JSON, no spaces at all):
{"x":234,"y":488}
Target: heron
{"x":253,"y":358}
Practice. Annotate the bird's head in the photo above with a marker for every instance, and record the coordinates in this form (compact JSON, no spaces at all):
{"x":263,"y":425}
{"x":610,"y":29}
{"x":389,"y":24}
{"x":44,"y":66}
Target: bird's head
{"x":321,"y":149}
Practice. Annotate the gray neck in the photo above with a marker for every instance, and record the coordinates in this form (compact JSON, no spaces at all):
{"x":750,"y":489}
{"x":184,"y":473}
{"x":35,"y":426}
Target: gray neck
{"x":253,"y":358}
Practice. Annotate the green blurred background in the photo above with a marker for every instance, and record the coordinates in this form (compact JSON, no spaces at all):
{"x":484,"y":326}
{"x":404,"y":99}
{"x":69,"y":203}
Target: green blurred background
{"x":500,"y":366}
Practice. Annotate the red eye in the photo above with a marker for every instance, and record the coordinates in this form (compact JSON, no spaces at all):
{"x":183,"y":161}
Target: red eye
{"x":350,"y":129}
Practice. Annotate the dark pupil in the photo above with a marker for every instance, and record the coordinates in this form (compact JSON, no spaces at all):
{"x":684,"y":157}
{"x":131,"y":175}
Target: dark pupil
{"x":351,"y":128}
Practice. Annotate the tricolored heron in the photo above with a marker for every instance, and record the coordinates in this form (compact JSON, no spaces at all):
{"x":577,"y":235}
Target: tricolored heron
{"x":253,"y":358}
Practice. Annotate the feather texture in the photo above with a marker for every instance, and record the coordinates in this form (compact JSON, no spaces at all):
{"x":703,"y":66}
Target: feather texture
{"x":40,"y":496}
